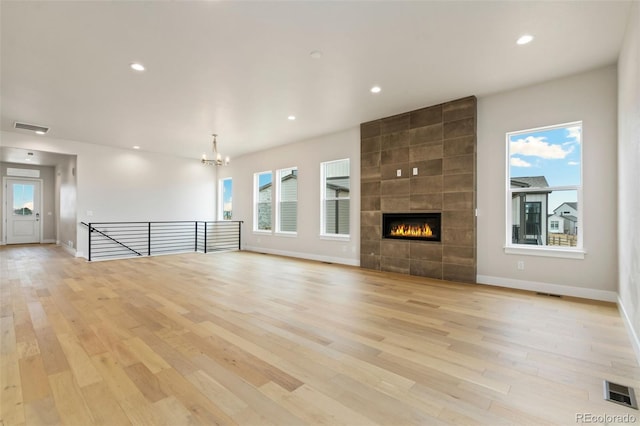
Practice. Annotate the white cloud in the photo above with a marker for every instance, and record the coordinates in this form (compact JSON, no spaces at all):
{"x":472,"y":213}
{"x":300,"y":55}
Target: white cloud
{"x":573,"y":163}
{"x":575,"y":133}
{"x":538,"y":147}
{"x":519,"y":162}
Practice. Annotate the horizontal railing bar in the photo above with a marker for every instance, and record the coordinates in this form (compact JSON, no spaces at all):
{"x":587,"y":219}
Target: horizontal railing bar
{"x":135,"y":239}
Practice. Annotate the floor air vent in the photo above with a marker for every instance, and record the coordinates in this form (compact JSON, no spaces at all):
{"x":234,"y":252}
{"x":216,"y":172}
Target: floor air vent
{"x":623,"y":395}
{"x":548,"y":294}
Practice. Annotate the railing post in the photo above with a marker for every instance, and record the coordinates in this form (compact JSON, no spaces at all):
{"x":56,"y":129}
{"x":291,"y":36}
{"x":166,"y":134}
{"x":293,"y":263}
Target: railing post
{"x":196,"y":233}
{"x":205,"y":237}
{"x":89,"y":241}
{"x":239,"y":235}
{"x":149,"y":240}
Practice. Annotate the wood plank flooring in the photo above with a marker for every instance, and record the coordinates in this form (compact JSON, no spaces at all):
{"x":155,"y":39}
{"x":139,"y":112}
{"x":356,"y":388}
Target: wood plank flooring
{"x":250,"y":339}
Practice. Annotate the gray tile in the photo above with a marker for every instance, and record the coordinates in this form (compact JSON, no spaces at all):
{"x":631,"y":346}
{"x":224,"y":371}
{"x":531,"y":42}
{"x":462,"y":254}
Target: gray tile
{"x":394,"y":264}
{"x":461,"y":108}
{"x":426,"y":184}
{"x":459,"y":146}
{"x":459,"y":164}
{"x":395,"y":187}
{"x":458,"y":183}
{"x":458,"y":128}
{"x":395,"y":156}
{"x":370,"y":145}
{"x":425,"y":152}
{"x":394,"y":124}
{"x":425,"y":268}
{"x":426,"y":116}
{"x":432,"y":134}
{"x":370,"y":129}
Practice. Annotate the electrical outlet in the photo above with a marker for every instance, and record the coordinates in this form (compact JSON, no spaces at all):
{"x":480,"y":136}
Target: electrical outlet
{"x":399,"y":172}
{"x":415,"y":171}
{"x":521,"y":265}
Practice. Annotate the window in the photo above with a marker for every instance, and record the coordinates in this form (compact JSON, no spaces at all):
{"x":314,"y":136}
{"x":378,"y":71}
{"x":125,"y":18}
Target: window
{"x":263,"y":190}
{"x":335,"y":198}
{"x":23,"y":199}
{"x":225,"y":199}
{"x":287,"y":207}
{"x":544,"y":189}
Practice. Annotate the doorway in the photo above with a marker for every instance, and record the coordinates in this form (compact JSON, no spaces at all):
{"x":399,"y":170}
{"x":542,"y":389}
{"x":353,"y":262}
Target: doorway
{"x":23,"y":200}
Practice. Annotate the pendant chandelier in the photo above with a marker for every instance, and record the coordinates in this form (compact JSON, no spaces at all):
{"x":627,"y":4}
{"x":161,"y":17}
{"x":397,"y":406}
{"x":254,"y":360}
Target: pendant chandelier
{"x":217,"y":157}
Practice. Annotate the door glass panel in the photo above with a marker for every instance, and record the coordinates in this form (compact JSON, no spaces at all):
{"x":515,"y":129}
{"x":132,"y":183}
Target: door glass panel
{"x":23,"y":199}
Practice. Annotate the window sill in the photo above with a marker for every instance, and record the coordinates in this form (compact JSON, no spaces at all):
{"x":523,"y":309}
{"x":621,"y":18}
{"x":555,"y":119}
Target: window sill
{"x":286,"y":234}
{"x":335,"y":237}
{"x":262,"y":232}
{"x":563,"y":253}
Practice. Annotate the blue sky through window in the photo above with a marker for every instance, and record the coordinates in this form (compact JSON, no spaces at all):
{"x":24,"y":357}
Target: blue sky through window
{"x":555,"y":153}
{"x":264,"y":179}
{"x":226,"y":191}
{"x":23,"y":196}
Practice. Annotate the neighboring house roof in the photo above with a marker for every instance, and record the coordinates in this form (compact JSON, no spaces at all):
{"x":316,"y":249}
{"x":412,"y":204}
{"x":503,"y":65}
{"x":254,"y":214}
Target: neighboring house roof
{"x":529,"y":182}
{"x":572,"y":205}
{"x":560,"y":216}
{"x":265,"y":186}
{"x":292,"y":175}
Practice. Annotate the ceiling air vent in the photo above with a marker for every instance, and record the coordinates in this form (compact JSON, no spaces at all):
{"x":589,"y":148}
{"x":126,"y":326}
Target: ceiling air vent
{"x":31,"y":127}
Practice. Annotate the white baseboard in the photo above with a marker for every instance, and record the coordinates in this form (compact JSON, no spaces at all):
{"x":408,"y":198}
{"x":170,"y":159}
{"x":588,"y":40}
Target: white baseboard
{"x":563,"y":290}
{"x":308,"y":256}
{"x":69,"y":250}
{"x":633,"y":335}
{"x":48,"y":241}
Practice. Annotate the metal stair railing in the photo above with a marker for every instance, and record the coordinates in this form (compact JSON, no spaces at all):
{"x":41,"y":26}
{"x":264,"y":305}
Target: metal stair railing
{"x":111,"y":240}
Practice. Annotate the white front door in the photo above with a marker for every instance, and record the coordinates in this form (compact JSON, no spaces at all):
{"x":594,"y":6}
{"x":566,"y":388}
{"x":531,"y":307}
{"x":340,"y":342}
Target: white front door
{"x":23,"y":211}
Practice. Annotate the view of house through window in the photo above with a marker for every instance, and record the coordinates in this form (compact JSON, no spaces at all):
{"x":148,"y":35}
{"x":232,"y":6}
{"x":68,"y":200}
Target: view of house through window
{"x":287,"y":200}
{"x":545,"y":186}
{"x":226,"y":187}
{"x":263,"y":191}
{"x":335,"y":197}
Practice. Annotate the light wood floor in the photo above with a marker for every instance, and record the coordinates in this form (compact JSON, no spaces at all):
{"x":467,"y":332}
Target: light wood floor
{"x":244,"y":338}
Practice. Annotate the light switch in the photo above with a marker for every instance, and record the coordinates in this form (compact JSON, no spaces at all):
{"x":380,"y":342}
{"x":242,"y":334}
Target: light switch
{"x":399,"y":172}
{"x":415,"y":171}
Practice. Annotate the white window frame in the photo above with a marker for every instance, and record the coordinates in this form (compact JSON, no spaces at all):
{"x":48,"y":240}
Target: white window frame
{"x":221,"y":198}
{"x":577,"y":252}
{"x":278,"y":197}
{"x":323,"y":199}
{"x":256,"y":199}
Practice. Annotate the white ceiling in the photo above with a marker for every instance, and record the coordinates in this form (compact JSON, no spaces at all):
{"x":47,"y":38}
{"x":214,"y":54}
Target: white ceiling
{"x":240,"y":68}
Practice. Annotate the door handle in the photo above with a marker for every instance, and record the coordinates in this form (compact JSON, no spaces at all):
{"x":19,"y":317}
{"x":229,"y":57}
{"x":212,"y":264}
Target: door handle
{"x":37,"y":217}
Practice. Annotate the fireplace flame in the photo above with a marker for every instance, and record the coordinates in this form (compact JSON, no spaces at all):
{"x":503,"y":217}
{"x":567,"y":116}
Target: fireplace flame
{"x":403,"y":230}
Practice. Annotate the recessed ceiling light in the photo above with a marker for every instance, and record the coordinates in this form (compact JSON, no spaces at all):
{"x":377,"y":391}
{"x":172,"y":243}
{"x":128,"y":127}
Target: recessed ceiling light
{"x":527,"y":38}
{"x":316,"y":54}
{"x":291,"y":117}
{"x":40,"y":132}
{"x":136,"y":147}
{"x":375,"y":89}
{"x":136,"y":66}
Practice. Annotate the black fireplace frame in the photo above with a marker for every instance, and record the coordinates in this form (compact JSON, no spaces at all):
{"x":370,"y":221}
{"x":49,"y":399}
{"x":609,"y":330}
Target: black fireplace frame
{"x":433,"y":219}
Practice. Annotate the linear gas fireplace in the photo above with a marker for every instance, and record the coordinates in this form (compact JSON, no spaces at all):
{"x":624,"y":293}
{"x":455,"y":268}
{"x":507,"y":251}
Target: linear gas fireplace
{"x":411,"y":226}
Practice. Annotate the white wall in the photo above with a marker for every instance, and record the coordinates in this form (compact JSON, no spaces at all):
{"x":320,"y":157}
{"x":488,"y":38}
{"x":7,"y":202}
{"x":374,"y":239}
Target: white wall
{"x":66,"y":203}
{"x":628,"y":167}
{"x":126,"y":185}
{"x":307,"y":156}
{"x":592,"y":98}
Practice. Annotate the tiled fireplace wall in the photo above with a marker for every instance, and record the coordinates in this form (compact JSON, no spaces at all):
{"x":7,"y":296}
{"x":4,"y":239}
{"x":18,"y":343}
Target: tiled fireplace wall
{"x":440,"y":141}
